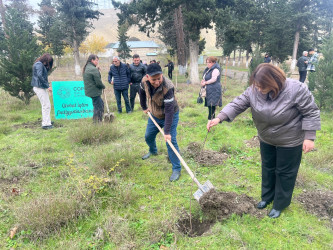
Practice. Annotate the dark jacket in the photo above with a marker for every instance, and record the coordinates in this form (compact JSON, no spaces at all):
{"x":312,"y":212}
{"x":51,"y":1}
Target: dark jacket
{"x":92,"y":81}
{"x":121,"y":76}
{"x":161,"y":101}
{"x":283,"y":121}
{"x":137,"y":72}
{"x":301,"y":63}
{"x":39,"y":76}
{"x":267,"y":59}
{"x":170,"y":66}
{"x":213,"y":90}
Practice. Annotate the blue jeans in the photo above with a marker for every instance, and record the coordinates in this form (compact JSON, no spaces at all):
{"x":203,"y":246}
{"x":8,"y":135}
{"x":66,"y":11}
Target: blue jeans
{"x":118,"y":94}
{"x":150,"y":136}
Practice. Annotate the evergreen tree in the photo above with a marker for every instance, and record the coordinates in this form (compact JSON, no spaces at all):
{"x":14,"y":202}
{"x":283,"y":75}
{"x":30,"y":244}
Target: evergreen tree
{"x":322,"y":78}
{"x":19,"y":51}
{"x":123,"y":50}
{"x":76,"y":20}
{"x":50,"y":30}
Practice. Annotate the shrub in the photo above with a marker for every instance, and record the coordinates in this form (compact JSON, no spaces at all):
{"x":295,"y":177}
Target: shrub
{"x":89,"y":134}
{"x":322,"y":79}
{"x":44,"y":215}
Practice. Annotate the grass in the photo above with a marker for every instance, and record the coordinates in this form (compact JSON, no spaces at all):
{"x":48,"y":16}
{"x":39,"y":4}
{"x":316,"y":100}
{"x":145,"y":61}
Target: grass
{"x":82,"y":186}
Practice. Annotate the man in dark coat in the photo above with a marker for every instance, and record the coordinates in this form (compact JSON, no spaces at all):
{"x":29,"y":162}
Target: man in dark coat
{"x":121,"y":79}
{"x":170,"y":68}
{"x":138,"y":71}
{"x":267,"y":59}
{"x":302,"y":64}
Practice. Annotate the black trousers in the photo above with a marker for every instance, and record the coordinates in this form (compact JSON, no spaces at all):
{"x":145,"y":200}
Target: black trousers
{"x":134,"y":89}
{"x":170,"y":74}
{"x":279,"y":171}
{"x":98,"y":108}
{"x":302,"y":75}
{"x":211,"y":112}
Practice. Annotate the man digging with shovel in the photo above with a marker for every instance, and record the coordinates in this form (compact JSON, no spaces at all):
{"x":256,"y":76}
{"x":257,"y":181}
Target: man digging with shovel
{"x":158,"y":93}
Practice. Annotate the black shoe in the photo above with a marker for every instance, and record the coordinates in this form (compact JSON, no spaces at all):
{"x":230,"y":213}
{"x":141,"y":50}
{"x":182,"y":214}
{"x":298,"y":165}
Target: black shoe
{"x":47,"y":127}
{"x":146,"y":156}
{"x":175,"y":175}
{"x":262,"y":204}
{"x":274,"y":213}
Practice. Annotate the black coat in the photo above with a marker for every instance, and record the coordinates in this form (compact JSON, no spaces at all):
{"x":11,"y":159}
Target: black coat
{"x":213,"y":90}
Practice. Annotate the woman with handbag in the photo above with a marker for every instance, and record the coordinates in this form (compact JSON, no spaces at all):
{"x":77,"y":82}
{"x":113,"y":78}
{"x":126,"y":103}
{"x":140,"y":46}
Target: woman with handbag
{"x":211,"y":84}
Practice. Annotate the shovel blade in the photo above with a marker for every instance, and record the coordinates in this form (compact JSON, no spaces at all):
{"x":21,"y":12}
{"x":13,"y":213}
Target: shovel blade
{"x":204,"y":189}
{"x":109,"y":117}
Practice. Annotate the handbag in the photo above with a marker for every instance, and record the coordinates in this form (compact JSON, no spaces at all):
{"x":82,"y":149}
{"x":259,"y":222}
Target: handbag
{"x":203,"y":91}
{"x":199,"y":99}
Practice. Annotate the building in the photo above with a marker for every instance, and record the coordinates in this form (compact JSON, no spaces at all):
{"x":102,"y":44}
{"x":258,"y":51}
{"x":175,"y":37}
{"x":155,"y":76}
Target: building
{"x":147,"y":50}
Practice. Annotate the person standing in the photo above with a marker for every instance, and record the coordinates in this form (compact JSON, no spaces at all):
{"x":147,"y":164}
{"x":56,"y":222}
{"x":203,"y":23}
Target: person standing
{"x":138,"y":71}
{"x":159,"y":93}
{"x":267,"y":59}
{"x":121,"y":79}
{"x":302,"y":64}
{"x":286,"y":117}
{"x":312,"y":61}
{"x":312,"y":67}
{"x":93,"y":86}
{"x":41,"y":86}
{"x":211,"y":81}
{"x":170,"y":66}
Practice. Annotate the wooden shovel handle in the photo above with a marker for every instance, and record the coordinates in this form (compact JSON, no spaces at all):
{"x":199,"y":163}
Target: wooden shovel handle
{"x":176,"y":152}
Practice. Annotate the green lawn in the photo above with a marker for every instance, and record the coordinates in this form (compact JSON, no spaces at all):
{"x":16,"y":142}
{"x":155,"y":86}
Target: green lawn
{"x":81,"y":186}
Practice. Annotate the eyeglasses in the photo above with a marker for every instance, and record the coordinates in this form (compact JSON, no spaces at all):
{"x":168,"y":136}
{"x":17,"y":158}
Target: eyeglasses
{"x":209,"y":62}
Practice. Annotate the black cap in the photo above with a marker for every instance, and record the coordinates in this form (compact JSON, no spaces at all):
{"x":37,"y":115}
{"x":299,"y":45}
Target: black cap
{"x":154,"y":69}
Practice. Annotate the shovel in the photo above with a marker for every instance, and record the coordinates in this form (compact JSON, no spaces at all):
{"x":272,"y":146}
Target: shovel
{"x":108,"y":117}
{"x":202,"y":188}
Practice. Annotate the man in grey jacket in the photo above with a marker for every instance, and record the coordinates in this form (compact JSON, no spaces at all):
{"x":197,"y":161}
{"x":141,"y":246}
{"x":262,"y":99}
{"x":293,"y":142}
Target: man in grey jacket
{"x":286,"y":117}
{"x":302,"y":64}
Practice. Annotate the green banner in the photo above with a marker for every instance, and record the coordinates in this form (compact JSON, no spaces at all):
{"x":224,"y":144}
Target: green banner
{"x":70,"y":101}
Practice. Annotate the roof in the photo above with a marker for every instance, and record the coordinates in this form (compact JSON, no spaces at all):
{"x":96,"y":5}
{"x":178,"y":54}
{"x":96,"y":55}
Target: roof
{"x":138,"y":44}
{"x":151,"y":54}
{"x":110,"y":46}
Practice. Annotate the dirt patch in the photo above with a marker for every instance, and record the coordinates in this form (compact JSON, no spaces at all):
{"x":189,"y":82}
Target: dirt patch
{"x":205,"y":157}
{"x":253,"y":142}
{"x":223,"y":204}
{"x":319,"y":203}
{"x":34,"y":124}
{"x":193,"y":227}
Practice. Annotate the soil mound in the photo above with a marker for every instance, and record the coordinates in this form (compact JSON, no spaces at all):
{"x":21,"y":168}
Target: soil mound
{"x":253,"y":142}
{"x":205,"y":157}
{"x":223,"y":204}
{"x":319,"y":203}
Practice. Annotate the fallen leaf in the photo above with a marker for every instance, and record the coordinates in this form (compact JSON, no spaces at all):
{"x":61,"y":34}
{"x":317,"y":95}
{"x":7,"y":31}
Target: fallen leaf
{"x":13,"y":232}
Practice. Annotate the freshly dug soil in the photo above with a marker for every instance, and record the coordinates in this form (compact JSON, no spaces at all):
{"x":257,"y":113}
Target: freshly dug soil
{"x":319,"y":203}
{"x":193,"y":227}
{"x":223,"y":204}
{"x":205,"y":157}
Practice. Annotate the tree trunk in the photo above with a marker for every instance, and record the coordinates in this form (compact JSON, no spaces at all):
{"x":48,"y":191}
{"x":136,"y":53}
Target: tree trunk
{"x":180,"y":37}
{"x":294,"y":59}
{"x":247,"y":59}
{"x":76,"y":58}
{"x":194,"y":53}
{"x":234,"y":61}
{"x":239,"y":57}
